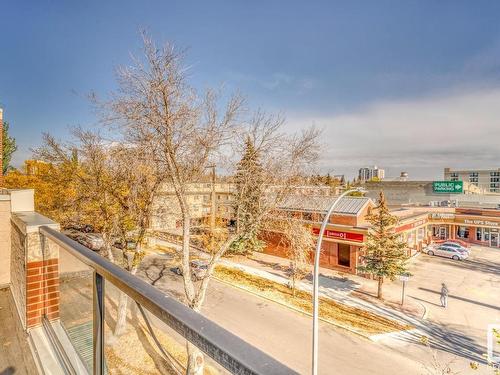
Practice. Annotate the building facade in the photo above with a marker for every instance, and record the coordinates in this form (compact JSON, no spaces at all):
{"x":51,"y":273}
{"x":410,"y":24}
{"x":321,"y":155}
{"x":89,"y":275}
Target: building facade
{"x":347,"y":230}
{"x":486,"y":179}
{"x":202,"y":199}
{"x":471,"y":225}
{"x":370,"y":173}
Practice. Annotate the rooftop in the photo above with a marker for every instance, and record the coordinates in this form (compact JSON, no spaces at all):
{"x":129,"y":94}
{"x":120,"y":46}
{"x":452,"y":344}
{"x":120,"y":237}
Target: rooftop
{"x":346,"y":206}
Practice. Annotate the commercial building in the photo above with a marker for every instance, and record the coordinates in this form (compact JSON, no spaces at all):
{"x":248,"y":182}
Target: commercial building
{"x":347,"y":230}
{"x":370,"y":173}
{"x":472,"y":225}
{"x":486,"y":179}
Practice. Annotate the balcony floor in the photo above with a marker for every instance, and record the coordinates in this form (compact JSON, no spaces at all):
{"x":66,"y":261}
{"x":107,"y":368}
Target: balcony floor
{"x":15,"y":353}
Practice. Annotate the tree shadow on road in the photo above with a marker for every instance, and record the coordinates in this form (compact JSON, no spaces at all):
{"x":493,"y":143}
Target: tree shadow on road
{"x":449,"y":339}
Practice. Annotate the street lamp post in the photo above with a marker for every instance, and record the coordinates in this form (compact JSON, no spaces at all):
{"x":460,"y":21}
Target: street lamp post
{"x":316,"y":278}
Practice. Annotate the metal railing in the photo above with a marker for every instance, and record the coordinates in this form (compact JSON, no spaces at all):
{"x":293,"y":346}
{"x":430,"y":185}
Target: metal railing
{"x":225,"y":348}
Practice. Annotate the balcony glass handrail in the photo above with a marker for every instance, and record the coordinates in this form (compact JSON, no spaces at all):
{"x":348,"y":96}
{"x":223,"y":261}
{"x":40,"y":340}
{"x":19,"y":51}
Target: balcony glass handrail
{"x":227,"y":349}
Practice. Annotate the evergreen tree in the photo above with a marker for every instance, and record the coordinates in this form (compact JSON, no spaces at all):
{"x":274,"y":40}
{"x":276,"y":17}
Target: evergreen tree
{"x":8,"y":148}
{"x":384,"y":252}
{"x":249,"y":180}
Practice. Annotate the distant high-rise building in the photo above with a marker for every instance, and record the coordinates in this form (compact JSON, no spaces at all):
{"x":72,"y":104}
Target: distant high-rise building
{"x":486,"y":179}
{"x":370,"y":173}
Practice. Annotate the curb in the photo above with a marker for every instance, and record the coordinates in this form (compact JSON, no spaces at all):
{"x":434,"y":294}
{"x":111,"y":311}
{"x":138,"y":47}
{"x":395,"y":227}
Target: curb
{"x":369,"y":337}
{"x":244,"y":269}
{"x":426,"y":310}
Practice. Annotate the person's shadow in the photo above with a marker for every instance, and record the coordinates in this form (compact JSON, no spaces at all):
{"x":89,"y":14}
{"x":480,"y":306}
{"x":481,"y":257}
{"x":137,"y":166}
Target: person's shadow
{"x":8,"y":371}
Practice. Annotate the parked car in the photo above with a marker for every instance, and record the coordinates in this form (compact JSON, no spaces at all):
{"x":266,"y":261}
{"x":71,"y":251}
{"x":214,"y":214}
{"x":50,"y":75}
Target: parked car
{"x":448,"y":252}
{"x":198,"y":269}
{"x":128,"y":245}
{"x":93,"y":241}
{"x":456,"y":246}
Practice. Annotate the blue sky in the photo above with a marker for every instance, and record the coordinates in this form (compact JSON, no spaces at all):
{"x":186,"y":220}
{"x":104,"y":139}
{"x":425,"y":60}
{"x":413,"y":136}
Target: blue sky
{"x":407,"y":85}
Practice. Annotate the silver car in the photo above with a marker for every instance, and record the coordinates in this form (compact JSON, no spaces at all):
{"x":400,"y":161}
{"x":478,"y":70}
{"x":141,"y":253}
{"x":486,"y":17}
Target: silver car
{"x":199,"y":269}
{"x":448,"y":252}
{"x":456,"y":246}
{"x":93,"y":241}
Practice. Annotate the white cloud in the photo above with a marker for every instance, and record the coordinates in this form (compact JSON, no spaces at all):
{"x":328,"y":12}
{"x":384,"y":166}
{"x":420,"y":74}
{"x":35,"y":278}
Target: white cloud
{"x":456,"y":130}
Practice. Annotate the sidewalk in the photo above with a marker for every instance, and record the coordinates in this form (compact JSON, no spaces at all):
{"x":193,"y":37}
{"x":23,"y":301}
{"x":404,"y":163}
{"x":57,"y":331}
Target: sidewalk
{"x":351,"y":290}
{"x":345,"y":288}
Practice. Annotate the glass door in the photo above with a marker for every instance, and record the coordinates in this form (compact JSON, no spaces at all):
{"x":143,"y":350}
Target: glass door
{"x":344,"y":258}
{"x":494,"y":239}
{"x":442,"y":233}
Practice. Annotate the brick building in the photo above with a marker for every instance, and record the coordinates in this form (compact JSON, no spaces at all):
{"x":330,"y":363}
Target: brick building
{"x":346,"y":232}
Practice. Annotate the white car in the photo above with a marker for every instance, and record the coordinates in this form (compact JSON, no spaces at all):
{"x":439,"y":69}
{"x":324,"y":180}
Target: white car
{"x":448,"y":252}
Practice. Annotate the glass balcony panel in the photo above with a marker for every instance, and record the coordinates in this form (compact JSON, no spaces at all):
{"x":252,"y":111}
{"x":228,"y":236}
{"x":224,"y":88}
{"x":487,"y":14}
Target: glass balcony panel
{"x":72,"y":321}
{"x":133,"y":347}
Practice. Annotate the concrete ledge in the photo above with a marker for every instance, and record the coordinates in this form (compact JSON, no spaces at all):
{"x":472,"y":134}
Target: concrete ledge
{"x":30,"y":222}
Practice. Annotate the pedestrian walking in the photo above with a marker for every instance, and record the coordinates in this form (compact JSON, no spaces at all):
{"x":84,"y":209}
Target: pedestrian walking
{"x":444,"y":295}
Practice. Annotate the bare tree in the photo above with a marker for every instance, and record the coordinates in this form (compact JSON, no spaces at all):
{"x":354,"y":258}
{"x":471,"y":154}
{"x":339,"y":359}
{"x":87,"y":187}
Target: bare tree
{"x":157,"y":110}
{"x":299,"y":241}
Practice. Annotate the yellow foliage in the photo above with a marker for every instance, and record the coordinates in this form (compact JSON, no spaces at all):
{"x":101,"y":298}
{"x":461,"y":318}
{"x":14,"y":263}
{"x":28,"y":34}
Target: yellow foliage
{"x":54,"y":188}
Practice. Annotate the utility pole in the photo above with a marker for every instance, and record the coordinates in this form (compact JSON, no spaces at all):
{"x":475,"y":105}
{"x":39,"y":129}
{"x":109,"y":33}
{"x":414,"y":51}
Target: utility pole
{"x":212,"y":197}
{"x":315,"y":335}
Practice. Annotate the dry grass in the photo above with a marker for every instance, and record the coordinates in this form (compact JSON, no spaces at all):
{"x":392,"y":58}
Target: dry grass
{"x":135,"y":351}
{"x":362,"y":321}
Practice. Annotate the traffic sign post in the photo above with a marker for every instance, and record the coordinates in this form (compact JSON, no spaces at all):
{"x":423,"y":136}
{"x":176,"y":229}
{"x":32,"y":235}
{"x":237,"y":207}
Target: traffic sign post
{"x":404,"y":278}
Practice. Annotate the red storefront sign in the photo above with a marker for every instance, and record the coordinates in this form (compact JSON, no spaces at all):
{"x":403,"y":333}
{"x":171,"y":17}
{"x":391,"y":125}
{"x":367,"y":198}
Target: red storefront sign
{"x":346,"y":236}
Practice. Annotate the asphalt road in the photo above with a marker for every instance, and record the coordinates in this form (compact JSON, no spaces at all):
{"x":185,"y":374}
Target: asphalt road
{"x":285,"y":334}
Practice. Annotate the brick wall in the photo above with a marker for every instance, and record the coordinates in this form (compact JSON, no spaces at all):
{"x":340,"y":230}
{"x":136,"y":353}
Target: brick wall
{"x":34,"y":270}
{"x":42,"y":291}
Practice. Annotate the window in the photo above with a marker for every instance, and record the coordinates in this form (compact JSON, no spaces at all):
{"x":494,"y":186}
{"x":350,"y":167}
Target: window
{"x":463,"y":232}
{"x":495,"y":174}
{"x":473,"y":174}
{"x":454,"y":175}
{"x":307,"y":216}
{"x":479,"y":234}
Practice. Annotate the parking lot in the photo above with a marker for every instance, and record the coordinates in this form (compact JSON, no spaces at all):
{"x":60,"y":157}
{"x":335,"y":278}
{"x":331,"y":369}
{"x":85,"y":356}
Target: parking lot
{"x":474,"y":301}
